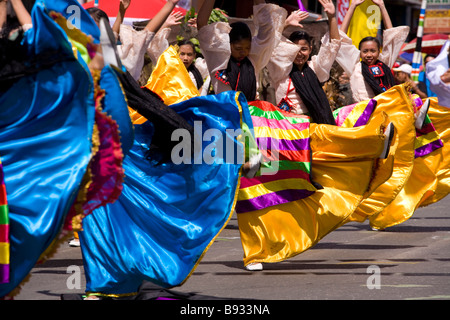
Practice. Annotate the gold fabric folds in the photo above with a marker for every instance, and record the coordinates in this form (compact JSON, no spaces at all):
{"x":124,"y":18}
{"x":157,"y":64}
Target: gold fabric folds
{"x":429,"y":180}
{"x":343,"y":169}
{"x":170,"y":79}
{"x":397,"y":103}
{"x":440,"y":117}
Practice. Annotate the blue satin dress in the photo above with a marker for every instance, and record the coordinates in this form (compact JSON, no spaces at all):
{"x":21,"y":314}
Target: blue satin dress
{"x":168,"y":214}
{"x":46,"y":123}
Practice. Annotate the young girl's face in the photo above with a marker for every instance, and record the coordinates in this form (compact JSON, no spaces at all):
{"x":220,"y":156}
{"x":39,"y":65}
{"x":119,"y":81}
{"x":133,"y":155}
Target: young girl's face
{"x":240,"y":49}
{"x":369,"y":52}
{"x":187,"y":55}
{"x":303,"y":54}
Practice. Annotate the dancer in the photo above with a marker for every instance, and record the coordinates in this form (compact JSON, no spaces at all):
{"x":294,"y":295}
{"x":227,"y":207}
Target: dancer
{"x":37,"y":65}
{"x":234,"y":57}
{"x":369,"y":65}
{"x":293,"y":176}
{"x":133,"y":44}
{"x":297,"y":76}
{"x":438,"y":73}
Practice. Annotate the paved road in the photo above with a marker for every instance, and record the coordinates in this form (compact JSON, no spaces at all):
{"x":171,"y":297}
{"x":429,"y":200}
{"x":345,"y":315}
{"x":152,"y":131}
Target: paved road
{"x":412,"y":261}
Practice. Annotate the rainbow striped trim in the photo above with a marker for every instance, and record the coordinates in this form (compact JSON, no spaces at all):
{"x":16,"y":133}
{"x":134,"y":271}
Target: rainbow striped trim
{"x":427,"y":138}
{"x":355,"y":115}
{"x":4,"y":231}
{"x":286,"y":172}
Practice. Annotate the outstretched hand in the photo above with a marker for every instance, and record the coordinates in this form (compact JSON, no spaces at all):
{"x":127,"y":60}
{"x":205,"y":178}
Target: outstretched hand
{"x":328,"y":7}
{"x":357,"y":2}
{"x":124,"y":4}
{"x":296,"y":17}
{"x":173,"y":19}
{"x":379,"y":3}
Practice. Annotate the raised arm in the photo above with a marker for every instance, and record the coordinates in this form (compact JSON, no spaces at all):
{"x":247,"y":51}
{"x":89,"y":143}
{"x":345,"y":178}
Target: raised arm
{"x":384,"y":14}
{"x":158,"y":20}
{"x":348,"y":16}
{"x":3,"y":12}
{"x":330,"y":10}
{"x":22,"y":13}
{"x":295,"y":18}
{"x":123,"y":6}
{"x":204,"y":13}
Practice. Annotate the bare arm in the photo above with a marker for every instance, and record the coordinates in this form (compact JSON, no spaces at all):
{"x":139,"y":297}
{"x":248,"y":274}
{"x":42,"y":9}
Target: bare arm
{"x":158,"y":20}
{"x":204,"y":13}
{"x":295,"y":18}
{"x":348,"y":16}
{"x":22,"y":13}
{"x":384,"y":14}
{"x":124,"y":4}
{"x":3,"y":12}
{"x":330,"y":10}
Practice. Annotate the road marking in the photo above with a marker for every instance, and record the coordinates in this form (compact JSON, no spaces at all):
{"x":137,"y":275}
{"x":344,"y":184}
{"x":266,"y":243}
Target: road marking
{"x":431,"y":297}
{"x":379,"y":262}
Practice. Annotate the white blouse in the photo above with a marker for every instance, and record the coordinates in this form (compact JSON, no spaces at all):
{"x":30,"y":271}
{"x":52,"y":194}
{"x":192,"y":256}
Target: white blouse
{"x":215,"y":42}
{"x":435,"y":69}
{"x":133,"y":45}
{"x":280,"y":65}
{"x":349,"y":59}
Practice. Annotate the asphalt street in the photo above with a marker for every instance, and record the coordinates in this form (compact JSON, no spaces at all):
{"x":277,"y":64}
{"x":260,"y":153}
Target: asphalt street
{"x":410,"y":261}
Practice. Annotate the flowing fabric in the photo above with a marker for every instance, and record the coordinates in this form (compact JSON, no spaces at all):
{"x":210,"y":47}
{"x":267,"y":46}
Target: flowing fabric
{"x":426,"y":183}
{"x":4,"y":231}
{"x":46,"y":123}
{"x":398,"y":105}
{"x":419,"y":155}
{"x":440,"y":117}
{"x":168,"y":214}
{"x":170,"y":80}
{"x":104,"y":178}
{"x":283,"y":139}
{"x":285,"y":229}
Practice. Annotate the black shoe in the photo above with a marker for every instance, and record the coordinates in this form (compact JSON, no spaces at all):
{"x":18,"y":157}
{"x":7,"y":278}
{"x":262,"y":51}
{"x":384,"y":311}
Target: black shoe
{"x":389,"y":135}
{"x":421,"y":116}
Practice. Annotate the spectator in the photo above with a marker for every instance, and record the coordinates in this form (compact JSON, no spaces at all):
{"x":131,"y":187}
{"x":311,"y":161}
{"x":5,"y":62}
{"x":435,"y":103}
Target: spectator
{"x":424,"y":82}
{"x":402,"y":74}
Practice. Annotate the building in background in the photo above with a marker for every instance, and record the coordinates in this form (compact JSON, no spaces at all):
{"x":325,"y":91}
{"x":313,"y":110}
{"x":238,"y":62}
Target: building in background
{"x":437,"y":17}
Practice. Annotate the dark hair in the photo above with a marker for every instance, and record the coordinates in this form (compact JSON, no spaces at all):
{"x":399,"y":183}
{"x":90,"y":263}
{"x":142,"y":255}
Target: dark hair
{"x":300,"y":35}
{"x":367,"y":39}
{"x":97,"y":14}
{"x":186,"y":42}
{"x":239,"y":31}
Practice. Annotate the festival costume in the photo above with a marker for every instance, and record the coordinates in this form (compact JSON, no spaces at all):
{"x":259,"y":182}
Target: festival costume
{"x":4,"y":231}
{"x":280,"y":217}
{"x":291,"y":181}
{"x":398,"y":105}
{"x":439,"y":117}
{"x":428,"y":180}
{"x":160,"y":43}
{"x":37,"y":140}
{"x":215,"y":43}
{"x":349,"y":59}
{"x":281,"y":62}
{"x":174,"y":210}
{"x":132,"y":47}
{"x":435,"y":70}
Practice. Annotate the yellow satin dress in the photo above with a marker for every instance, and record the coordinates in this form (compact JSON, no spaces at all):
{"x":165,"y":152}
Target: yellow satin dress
{"x":429,"y":180}
{"x":398,"y":104}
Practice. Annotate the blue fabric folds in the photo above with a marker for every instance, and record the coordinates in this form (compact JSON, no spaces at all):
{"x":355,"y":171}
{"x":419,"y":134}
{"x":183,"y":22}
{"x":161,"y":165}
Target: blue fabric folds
{"x":115,"y":105}
{"x":46,"y":122}
{"x":168,"y":214}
